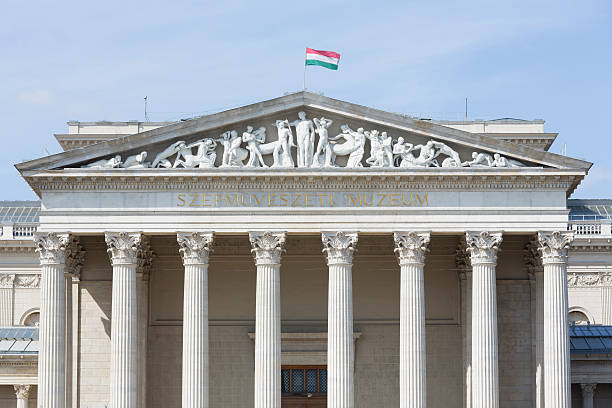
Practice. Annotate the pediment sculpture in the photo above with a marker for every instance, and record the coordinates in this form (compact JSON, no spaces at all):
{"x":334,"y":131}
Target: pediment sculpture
{"x":248,"y":150}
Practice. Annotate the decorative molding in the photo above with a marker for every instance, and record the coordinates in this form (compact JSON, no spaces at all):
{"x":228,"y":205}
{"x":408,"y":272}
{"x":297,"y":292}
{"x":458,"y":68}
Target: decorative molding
{"x":52,"y":247}
{"x":231,"y":179}
{"x":267,"y":247}
{"x":589,"y":279}
{"x":123,"y":247}
{"x":195,"y":247}
{"x":411,"y":246}
{"x":554,"y":246}
{"x":7,"y":281}
{"x":22,"y":391}
{"x":30,"y":281}
{"x":75,"y":258}
{"x":339,"y":247}
{"x":483,"y":246}
{"x":144,"y":261}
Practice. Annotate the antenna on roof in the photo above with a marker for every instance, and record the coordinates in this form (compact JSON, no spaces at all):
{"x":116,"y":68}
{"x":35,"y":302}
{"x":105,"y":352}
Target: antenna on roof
{"x":145,"y":109}
{"x":466,"y":115}
{"x":564,"y":149}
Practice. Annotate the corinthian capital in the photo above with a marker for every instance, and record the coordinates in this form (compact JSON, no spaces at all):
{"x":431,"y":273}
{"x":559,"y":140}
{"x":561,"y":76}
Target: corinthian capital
{"x":339,"y":246}
{"x":483,"y":246}
{"x":267,"y":247}
{"x":195,"y":247}
{"x":554,"y":245}
{"x":22,"y":391}
{"x":411,"y":247}
{"x":51,"y":247}
{"x":75,"y":257}
{"x":123,"y":247}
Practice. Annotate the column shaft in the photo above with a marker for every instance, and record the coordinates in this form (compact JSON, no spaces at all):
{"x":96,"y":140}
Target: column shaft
{"x":412,"y":337}
{"x":52,"y":338}
{"x":267,"y":337}
{"x":69,"y":322}
{"x":588,"y":395}
{"x":339,"y":247}
{"x":123,"y":337}
{"x":485,"y":384}
{"x":557,"y":393}
{"x":267,"y":248}
{"x":340,"y":353}
{"x":483,"y":247}
{"x":539,"y":329}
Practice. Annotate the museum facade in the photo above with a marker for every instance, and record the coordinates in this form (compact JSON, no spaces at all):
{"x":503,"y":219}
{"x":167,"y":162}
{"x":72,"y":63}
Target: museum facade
{"x":304,"y":251}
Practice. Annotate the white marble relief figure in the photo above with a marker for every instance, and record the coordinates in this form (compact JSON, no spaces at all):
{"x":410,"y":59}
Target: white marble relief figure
{"x":479,"y":160}
{"x":452,"y":160}
{"x":161,"y":160}
{"x":104,"y":163}
{"x":501,"y":161}
{"x":204,"y":158}
{"x":381,"y":152}
{"x":375,"y":146}
{"x":323,"y":155}
{"x":136,"y":161}
{"x":255,"y":143}
{"x":282,"y":150}
{"x":407,"y":159}
{"x":233,"y":154}
{"x":305,"y":134}
{"x":353,"y":146}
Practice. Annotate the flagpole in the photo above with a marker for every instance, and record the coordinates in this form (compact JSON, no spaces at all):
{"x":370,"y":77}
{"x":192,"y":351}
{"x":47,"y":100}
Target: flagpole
{"x":305,"y":55}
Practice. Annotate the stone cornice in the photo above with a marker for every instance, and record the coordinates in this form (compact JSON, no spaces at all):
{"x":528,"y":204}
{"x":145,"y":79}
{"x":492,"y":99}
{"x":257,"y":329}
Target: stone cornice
{"x":473,"y":179}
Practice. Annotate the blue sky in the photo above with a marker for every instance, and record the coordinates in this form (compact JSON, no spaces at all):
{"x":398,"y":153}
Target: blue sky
{"x":89,"y":61}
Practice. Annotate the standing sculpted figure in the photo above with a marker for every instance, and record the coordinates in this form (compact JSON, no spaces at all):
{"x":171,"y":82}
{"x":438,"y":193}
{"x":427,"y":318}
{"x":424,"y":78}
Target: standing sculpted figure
{"x":233,"y":154}
{"x":305,"y":134}
{"x":204,"y":158}
{"x":384,"y":153}
{"x":254,"y":141}
{"x":375,"y":146}
{"x":282,"y":151}
{"x":323,"y":147}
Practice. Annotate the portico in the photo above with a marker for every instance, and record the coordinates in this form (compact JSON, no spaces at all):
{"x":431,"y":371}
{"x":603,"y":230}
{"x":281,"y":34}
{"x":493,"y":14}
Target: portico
{"x":228,"y":251}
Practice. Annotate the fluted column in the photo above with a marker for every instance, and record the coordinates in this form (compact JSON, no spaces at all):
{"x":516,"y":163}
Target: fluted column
{"x":410,"y":248}
{"x":533,"y":262}
{"x":588,"y":394}
{"x":52,"y":328}
{"x":194,"y":248}
{"x":22,"y":391}
{"x":554,"y":247}
{"x":339,"y":247}
{"x":483,"y":247}
{"x":123,"y":250}
{"x":267,"y":248}
{"x":75,"y":259}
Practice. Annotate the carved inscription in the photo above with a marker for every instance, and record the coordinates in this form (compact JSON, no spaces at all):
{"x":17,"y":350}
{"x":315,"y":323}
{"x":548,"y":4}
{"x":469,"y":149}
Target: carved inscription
{"x":301,"y":199}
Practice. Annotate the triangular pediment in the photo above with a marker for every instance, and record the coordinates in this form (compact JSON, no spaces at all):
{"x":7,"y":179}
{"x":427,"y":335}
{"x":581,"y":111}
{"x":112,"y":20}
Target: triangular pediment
{"x":403,"y":142}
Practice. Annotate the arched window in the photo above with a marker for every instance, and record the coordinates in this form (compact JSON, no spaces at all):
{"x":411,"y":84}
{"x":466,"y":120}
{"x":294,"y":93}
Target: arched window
{"x":32,"y":319}
{"x":578,"y":318}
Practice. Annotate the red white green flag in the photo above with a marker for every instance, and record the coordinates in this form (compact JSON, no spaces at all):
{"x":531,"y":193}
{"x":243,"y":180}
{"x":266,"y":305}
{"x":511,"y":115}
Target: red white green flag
{"x":326,"y":59}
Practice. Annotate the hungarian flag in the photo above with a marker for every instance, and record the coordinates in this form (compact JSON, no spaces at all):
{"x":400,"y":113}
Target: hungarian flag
{"x":327,"y":59}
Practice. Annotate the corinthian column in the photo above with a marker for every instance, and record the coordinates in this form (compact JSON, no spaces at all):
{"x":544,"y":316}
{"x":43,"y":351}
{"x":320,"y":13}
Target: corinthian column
{"x":410,"y":248}
{"x":339,"y":247}
{"x":483,"y":247}
{"x":556,"y":337}
{"x":23,"y":394}
{"x":52,"y":327}
{"x":123,"y":250}
{"x":195,"y":248}
{"x":267,"y":248}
